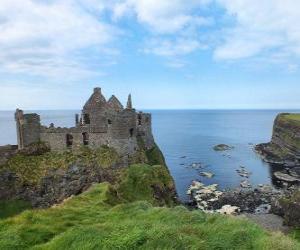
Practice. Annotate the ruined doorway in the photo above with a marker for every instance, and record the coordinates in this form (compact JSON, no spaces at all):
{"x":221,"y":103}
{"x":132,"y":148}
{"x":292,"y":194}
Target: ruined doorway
{"x":69,"y":140}
{"x":85,"y":138}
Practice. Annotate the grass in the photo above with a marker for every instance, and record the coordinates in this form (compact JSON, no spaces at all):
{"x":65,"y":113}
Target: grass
{"x":12,"y":207}
{"x":148,"y":183}
{"x":88,"y":221}
{"x":295,"y":117}
{"x":30,"y":169}
{"x":137,"y":212}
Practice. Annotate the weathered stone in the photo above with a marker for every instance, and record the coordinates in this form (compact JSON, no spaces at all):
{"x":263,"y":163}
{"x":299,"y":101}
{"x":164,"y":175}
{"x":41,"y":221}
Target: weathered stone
{"x":102,"y":123}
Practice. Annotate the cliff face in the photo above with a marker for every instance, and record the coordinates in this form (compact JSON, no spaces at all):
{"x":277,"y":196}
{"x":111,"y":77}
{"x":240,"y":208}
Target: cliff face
{"x":284,"y":147}
{"x":50,"y":177}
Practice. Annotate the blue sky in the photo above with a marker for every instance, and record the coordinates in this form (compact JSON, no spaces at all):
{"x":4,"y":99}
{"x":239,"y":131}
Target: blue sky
{"x":212,"y":54}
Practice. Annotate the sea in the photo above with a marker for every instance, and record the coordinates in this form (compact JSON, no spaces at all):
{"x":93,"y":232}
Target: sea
{"x":187,"y":138}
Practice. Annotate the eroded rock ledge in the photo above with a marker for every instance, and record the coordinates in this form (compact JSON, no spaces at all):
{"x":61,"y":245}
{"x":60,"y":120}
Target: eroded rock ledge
{"x":284,"y":148}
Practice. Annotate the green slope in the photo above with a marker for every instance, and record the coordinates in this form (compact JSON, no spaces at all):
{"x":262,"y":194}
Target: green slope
{"x":89,"y":222}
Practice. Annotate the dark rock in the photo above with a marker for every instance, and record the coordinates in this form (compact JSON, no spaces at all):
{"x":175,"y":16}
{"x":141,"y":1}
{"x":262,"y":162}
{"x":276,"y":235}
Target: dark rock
{"x":222,"y":147}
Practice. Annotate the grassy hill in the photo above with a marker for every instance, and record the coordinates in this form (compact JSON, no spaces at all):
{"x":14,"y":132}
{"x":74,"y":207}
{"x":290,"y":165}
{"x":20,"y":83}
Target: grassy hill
{"x":137,"y":211}
{"x":93,"y":220}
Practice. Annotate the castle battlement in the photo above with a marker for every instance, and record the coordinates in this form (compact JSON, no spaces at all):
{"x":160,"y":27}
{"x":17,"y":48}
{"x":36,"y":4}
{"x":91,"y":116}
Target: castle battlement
{"x":100,"y":123}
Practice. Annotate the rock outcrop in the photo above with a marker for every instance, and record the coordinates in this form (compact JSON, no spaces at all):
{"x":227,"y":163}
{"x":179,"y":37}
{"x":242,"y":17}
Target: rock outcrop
{"x":284,"y":148}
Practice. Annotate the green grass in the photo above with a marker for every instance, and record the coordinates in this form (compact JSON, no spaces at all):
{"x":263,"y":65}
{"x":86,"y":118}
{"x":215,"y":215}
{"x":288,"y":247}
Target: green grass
{"x":31,"y":168}
{"x":295,"y":117}
{"x":12,"y":207}
{"x":148,"y":183}
{"x":89,"y":222}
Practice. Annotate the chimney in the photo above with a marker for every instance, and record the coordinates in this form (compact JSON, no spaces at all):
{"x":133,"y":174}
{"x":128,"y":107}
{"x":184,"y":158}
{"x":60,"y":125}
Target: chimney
{"x":97,"y":90}
{"x":129,"y":102}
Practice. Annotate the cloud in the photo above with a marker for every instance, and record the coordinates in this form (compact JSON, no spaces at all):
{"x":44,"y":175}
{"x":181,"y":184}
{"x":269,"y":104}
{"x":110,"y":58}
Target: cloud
{"x":260,"y":27}
{"x":167,"y":16}
{"x":51,"y":37}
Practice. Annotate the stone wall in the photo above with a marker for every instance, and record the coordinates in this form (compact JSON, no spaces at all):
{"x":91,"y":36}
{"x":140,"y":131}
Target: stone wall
{"x":101,"y":123}
{"x":6,"y":152}
{"x":28,"y":128}
{"x":144,"y":128}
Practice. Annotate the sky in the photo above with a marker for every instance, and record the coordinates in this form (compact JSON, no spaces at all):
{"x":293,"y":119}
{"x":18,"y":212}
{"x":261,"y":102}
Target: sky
{"x":169,"y":54}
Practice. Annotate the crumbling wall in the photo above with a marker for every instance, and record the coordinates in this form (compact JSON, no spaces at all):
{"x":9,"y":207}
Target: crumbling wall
{"x":144,"y":129}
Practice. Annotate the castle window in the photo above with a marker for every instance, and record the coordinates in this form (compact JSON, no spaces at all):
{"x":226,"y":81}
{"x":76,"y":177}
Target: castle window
{"x":139,"y":119}
{"x":69,"y":140}
{"x":86,"y":119}
{"x":131,"y":132}
{"x":85,"y":138}
{"x":109,"y":121}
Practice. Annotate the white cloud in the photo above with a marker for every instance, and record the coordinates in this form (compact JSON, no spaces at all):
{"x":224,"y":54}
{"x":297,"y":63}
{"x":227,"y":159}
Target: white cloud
{"x":166,"y":16}
{"x":47,"y":37}
{"x":261,"y":26}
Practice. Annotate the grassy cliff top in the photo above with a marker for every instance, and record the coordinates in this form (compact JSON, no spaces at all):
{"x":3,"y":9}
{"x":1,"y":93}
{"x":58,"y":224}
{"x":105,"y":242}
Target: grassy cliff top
{"x":89,"y":221}
{"x":295,"y":117}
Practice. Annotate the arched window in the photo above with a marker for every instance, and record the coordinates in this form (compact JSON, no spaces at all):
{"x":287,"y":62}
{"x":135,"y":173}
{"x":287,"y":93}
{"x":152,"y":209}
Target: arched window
{"x":131,"y":132}
{"x":69,"y":140}
{"x":85,"y":138}
{"x":109,"y":121}
{"x":86,"y":119}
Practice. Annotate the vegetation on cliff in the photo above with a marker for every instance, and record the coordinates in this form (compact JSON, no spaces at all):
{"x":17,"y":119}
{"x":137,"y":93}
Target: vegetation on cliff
{"x":31,"y":168}
{"x":285,"y":144}
{"x":136,"y":211}
{"x":89,"y":221}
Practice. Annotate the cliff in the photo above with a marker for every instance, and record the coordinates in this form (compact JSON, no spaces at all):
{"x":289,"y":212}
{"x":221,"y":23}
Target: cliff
{"x":48,"y":178}
{"x":284,"y":148}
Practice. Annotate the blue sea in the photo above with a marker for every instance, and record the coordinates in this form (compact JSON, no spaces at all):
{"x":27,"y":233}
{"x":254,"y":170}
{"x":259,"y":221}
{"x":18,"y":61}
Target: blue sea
{"x":188,"y":136}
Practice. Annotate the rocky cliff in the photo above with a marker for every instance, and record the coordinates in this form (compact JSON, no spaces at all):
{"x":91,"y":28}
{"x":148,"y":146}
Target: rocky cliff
{"x":284,"y":148}
{"x":48,"y":178}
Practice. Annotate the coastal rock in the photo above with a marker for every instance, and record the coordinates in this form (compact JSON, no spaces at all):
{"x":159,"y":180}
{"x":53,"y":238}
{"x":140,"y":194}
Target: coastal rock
{"x":243,"y":172}
{"x":261,"y":199}
{"x":206,"y":174}
{"x":245,"y":184}
{"x":222,"y":147}
{"x":285,"y":177}
{"x":228,"y":209}
{"x":284,"y":148}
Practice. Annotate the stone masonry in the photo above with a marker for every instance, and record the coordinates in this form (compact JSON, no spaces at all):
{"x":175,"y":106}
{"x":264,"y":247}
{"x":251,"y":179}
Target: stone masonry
{"x":101,"y":123}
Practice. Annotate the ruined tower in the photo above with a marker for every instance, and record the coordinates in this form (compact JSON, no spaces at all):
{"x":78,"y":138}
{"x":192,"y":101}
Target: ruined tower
{"x":28,"y":128}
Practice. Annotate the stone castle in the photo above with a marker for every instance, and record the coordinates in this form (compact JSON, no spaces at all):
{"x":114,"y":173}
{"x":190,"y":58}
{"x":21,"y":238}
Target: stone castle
{"x":101,"y":123}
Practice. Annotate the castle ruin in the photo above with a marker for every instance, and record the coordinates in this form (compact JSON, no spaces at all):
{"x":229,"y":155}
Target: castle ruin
{"x":101,"y":123}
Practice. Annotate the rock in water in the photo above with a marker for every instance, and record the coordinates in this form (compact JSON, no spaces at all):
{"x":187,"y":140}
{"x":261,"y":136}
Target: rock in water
{"x":206,"y":174}
{"x":222,"y":147}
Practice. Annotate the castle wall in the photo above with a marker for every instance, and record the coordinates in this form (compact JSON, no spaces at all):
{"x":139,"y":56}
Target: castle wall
{"x":144,"y":128}
{"x":28,"y":128}
{"x":101,"y":123}
{"x":56,"y":138}
{"x":123,"y":124}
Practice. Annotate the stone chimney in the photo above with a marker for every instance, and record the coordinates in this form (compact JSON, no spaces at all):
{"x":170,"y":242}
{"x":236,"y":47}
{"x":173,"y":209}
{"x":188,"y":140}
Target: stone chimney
{"x":97,"y":90}
{"x":129,"y":102}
